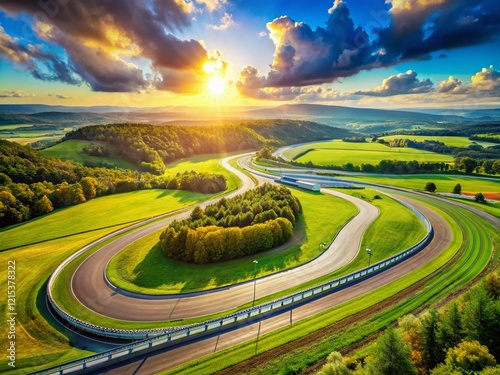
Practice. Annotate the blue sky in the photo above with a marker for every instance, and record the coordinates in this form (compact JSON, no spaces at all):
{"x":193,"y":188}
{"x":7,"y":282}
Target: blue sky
{"x":403,"y":53}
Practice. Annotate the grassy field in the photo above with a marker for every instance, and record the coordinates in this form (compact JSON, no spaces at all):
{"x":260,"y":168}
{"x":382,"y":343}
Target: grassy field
{"x":473,"y":258}
{"x":451,"y":141}
{"x":38,"y":342}
{"x":143,"y":267}
{"x":339,"y":153}
{"x":204,"y":163}
{"x":96,"y":214}
{"x":443,"y":183}
{"x":60,"y":234}
{"x":72,"y":150}
{"x":14,"y":126}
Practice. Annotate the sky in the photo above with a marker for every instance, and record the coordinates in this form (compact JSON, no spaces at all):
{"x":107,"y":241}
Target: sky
{"x":225,"y":53}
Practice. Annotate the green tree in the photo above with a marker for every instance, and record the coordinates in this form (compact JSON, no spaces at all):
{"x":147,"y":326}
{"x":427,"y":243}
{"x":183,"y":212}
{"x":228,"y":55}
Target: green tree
{"x":479,"y":197}
{"x":496,"y":166}
{"x":42,"y":206}
{"x":468,"y":164}
{"x":492,"y":285}
{"x":430,"y":187}
{"x":432,"y":352}
{"x":89,"y":185}
{"x":488,"y":166}
{"x":469,"y":356}
{"x":457,"y":189}
{"x":391,"y":356}
{"x":450,"y":331}
{"x":334,"y":365}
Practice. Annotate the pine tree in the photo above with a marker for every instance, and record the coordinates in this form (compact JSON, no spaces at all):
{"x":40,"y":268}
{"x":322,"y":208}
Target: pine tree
{"x":391,"y":356}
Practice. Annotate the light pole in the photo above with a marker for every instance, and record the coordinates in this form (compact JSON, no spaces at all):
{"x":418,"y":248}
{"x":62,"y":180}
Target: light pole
{"x":369,"y":256}
{"x":254,"y":280}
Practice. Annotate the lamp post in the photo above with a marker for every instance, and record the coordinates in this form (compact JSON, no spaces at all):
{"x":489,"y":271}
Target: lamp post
{"x":369,"y":252}
{"x":254,"y":280}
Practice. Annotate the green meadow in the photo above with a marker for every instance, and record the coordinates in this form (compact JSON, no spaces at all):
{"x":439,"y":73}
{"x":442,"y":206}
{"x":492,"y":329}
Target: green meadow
{"x":96,"y":214}
{"x":444,"y":183}
{"x":452,"y":141}
{"x":73,"y":150}
{"x":205,"y":163}
{"x":338,"y":153}
{"x":40,"y":245}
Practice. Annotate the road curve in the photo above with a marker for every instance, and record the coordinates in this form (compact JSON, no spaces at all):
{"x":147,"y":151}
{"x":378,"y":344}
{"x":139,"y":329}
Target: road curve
{"x":160,"y":361}
{"x":90,"y":288}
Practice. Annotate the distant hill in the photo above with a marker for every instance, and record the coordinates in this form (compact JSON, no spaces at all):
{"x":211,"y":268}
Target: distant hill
{"x":150,"y":147}
{"x":339,"y":113}
{"x":359,"y":119}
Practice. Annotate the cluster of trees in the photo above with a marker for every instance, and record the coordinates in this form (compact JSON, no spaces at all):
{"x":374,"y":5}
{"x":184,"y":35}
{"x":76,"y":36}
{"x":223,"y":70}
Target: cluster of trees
{"x":385,"y":166}
{"x":32,"y":185}
{"x":427,"y":145}
{"x":463,"y":339}
{"x":254,"y":221}
{"x":150,"y":147}
{"x":360,"y":139}
{"x":200,"y":182}
{"x":469,"y":165}
{"x":485,"y":138}
{"x":97,"y":150}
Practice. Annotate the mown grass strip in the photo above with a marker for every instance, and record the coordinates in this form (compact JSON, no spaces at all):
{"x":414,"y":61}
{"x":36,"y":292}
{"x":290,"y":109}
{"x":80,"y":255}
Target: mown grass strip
{"x":473,"y":256}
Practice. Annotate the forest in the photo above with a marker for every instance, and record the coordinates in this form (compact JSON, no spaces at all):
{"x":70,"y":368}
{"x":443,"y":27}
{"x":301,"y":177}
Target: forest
{"x":151,"y":147}
{"x":461,"y":339}
{"x":32,"y":185}
{"x":254,"y":221}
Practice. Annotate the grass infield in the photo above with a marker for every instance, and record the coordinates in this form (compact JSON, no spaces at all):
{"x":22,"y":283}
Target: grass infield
{"x":338,"y":153}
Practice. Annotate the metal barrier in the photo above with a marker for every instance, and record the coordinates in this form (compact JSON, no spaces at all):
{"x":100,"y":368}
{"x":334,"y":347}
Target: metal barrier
{"x":155,"y":338}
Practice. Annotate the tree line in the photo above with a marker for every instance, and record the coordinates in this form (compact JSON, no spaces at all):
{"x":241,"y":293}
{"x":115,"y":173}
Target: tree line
{"x":151,"y":147}
{"x":462,"y":339}
{"x":384,"y":166}
{"x":32,"y":185}
{"x":254,"y":221}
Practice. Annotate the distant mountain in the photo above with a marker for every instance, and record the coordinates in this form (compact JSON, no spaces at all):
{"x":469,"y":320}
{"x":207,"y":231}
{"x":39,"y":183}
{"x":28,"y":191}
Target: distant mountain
{"x":359,"y":119}
{"x":37,"y":108}
{"x":332,"y":114}
{"x":469,"y":113}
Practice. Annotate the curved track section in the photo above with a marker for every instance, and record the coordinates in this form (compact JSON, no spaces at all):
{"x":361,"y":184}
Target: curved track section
{"x":88,"y":281}
{"x":343,"y":249}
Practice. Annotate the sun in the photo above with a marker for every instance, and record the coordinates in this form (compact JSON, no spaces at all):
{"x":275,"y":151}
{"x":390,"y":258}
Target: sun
{"x":216,"y":86}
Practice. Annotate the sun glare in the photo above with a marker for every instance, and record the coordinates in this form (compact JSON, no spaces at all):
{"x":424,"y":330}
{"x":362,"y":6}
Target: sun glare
{"x":216,"y":86}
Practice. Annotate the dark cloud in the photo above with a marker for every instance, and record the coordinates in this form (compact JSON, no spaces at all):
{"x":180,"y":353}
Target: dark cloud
{"x":30,"y":57}
{"x":416,"y":30}
{"x":400,"y":84}
{"x":99,"y":34}
{"x":306,"y":57}
{"x":419,"y":28}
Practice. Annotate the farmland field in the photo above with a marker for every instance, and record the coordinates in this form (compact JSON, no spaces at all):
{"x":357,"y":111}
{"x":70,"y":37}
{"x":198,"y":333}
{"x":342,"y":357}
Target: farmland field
{"x":447,"y":140}
{"x":339,"y":153}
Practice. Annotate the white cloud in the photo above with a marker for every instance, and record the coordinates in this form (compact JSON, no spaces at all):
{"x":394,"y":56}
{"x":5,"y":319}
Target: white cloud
{"x":226,"y":22}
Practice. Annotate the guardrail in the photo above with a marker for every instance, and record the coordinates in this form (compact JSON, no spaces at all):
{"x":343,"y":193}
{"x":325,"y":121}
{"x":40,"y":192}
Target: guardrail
{"x":154,"y":339}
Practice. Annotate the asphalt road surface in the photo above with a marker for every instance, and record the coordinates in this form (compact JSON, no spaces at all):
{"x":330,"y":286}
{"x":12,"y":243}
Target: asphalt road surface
{"x":89,"y":287}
